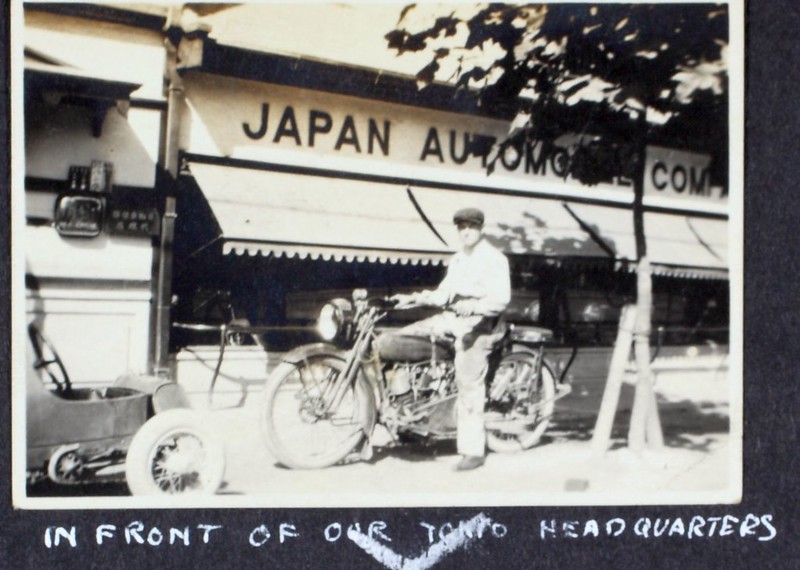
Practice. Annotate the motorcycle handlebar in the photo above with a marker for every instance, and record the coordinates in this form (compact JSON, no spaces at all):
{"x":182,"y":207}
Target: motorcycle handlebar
{"x":385,"y":303}
{"x":390,"y":304}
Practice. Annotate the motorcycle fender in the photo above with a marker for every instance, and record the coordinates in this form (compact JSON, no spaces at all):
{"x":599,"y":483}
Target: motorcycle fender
{"x":301,"y":353}
{"x":516,"y":348}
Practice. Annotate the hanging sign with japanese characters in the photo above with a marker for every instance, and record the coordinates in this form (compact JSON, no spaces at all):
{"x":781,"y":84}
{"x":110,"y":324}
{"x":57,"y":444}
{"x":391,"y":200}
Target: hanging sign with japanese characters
{"x":132,"y":220}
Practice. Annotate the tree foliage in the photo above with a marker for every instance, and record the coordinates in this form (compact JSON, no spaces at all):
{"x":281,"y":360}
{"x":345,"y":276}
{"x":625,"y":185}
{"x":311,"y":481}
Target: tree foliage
{"x":620,"y":74}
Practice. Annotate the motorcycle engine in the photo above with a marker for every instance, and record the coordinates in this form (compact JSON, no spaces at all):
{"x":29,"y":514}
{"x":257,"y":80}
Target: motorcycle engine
{"x":400,"y":380}
{"x":418,"y":379}
{"x":414,"y":390}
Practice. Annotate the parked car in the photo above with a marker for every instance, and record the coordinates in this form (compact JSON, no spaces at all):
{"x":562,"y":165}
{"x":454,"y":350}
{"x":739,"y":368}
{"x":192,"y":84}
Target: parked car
{"x":142,"y":421}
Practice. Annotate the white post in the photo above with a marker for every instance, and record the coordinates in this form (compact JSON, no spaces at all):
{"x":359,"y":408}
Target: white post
{"x":619,"y":360}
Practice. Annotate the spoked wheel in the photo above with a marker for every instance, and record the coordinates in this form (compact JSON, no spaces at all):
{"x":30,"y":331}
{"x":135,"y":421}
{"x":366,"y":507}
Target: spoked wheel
{"x":173,"y":453}
{"x":302,"y":430}
{"x":66,"y":465}
{"x":517,"y":419}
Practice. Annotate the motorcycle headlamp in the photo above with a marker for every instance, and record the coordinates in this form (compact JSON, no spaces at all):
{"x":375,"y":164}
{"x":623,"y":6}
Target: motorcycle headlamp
{"x":332,"y":318}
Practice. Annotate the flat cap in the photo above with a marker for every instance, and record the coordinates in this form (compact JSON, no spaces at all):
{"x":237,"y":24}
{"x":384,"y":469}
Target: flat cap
{"x":473,"y":215}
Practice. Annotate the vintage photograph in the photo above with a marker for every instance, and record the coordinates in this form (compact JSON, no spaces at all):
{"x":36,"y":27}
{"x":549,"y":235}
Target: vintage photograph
{"x":376,"y":255}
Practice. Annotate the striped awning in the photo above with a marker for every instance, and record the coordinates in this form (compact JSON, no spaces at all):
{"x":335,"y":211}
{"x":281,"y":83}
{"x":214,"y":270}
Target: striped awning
{"x":332,"y":217}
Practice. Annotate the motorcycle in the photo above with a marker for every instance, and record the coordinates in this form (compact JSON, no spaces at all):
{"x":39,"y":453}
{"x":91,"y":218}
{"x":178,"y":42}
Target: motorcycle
{"x":323,"y":402}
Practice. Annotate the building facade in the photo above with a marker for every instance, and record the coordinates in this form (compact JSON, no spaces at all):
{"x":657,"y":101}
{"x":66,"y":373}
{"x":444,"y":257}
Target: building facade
{"x":200,"y":182}
{"x":92,"y":195}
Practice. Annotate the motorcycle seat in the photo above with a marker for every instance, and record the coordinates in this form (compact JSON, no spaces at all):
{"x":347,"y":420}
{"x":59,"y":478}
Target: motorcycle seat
{"x":530,"y":335}
{"x":395,"y":346}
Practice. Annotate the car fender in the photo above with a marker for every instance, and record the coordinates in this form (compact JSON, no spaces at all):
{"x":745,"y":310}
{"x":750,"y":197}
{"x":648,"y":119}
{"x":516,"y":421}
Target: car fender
{"x":165,"y":394}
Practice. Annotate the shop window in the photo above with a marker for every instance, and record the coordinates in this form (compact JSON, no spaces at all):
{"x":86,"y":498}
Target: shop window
{"x":583,"y":307}
{"x":207,"y":307}
{"x":691,"y":312}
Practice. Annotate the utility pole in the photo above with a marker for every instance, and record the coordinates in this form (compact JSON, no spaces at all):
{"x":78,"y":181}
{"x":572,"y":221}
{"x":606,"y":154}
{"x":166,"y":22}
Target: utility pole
{"x":162,"y":280}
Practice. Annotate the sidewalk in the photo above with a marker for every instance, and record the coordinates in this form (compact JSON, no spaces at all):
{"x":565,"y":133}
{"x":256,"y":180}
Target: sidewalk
{"x":695,"y":465}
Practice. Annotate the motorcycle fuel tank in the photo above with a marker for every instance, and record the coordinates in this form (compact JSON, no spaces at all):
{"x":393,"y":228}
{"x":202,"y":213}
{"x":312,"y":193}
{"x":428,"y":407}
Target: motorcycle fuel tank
{"x":396,"y":347}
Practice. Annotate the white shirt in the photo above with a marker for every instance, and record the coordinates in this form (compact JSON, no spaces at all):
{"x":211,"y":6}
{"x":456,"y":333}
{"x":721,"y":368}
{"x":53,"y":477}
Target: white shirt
{"x":481,"y":275}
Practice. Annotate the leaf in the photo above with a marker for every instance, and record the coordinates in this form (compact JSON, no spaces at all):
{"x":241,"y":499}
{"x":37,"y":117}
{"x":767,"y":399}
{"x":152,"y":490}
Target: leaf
{"x":575,"y":87}
{"x":622,"y":96}
{"x":447,"y":24}
{"x":414,"y":42}
{"x":474,"y":74}
{"x":405,"y":11}
{"x":396,"y":39}
{"x":705,"y":76}
{"x":589,"y":29}
{"x":481,"y":145}
{"x":646,"y":54}
{"x":594,"y":68}
{"x":519,"y":124}
{"x":426,"y":75}
{"x":208,"y":8}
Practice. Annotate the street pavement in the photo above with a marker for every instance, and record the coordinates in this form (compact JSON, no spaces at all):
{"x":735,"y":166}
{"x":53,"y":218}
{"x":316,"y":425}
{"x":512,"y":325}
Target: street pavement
{"x":699,"y":462}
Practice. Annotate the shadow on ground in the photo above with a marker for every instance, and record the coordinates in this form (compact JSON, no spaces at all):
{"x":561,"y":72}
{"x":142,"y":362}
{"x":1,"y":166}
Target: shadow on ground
{"x":414,"y":450}
{"x":682,"y":421}
{"x":47,"y":488}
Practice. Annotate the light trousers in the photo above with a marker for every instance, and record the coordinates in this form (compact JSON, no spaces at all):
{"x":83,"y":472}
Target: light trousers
{"x":475,"y":339}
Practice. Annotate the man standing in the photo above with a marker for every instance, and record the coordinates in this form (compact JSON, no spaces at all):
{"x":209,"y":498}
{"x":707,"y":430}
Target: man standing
{"x":476,"y":291}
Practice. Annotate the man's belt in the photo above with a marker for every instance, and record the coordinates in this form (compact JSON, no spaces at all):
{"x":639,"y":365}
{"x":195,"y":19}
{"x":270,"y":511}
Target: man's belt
{"x":489,"y":324}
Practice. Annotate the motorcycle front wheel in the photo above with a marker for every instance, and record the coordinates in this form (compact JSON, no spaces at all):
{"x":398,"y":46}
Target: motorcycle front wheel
{"x":300,"y":430}
{"x":526,"y":407}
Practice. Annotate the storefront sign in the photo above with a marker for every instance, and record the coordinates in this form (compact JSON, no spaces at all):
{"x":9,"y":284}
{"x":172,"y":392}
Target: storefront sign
{"x":133,"y":221}
{"x":431,"y":145}
{"x":289,"y":125}
{"x":79,"y":216}
{"x":679,"y":174}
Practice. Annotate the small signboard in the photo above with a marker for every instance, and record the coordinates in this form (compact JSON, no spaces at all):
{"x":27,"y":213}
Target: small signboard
{"x":94,"y":178}
{"x":133,"y":220}
{"x":79,"y":216}
{"x":100,"y":176}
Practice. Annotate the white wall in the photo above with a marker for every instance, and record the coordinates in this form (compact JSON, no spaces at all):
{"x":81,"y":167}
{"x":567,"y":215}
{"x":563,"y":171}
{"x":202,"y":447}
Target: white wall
{"x":91,"y":296}
{"x":112,"y":51}
{"x":98,"y":334}
{"x":60,"y":136}
{"x":93,"y":300}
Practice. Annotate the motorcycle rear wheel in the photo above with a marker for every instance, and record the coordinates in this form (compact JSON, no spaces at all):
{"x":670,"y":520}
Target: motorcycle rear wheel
{"x":298,"y":432}
{"x":539,"y":404}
